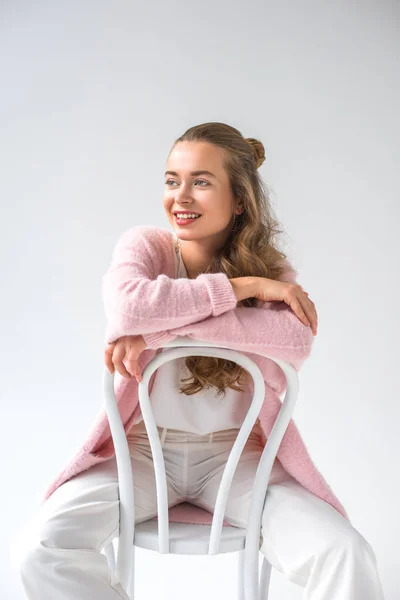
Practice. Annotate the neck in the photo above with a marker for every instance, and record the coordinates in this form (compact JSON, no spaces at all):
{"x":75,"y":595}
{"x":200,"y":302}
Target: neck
{"x":194,"y":257}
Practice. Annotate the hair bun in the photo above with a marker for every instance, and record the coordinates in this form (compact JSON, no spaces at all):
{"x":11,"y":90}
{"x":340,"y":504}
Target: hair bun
{"x":258,"y":150}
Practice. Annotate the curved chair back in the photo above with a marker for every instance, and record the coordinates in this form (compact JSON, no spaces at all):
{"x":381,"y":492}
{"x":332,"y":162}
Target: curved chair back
{"x":180,"y":347}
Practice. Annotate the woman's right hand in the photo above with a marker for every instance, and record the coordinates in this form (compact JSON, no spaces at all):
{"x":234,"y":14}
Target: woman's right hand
{"x":268,"y":290}
{"x":127,"y":348}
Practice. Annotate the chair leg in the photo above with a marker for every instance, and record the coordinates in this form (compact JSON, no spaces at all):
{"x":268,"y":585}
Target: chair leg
{"x":110,"y":555}
{"x":131,"y":583}
{"x":264,"y":580}
{"x":241,"y":593}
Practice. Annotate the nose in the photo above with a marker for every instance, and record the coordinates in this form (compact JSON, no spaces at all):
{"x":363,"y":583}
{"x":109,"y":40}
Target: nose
{"x":183,"y":191}
{"x":182,"y":201}
{"x":182,"y":196}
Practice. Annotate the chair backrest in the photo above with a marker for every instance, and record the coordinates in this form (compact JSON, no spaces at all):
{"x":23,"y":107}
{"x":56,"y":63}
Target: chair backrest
{"x":180,"y":347}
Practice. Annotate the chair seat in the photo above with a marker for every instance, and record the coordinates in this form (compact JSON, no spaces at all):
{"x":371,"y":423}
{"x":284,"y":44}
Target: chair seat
{"x":188,"y":538}
{"x":189,"y":532}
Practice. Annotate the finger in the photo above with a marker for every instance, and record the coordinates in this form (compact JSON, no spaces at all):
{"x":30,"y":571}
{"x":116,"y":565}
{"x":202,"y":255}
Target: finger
{"x":311,"y":314}
{"x":308,"y":308}
{"x":132,"y":359}
{"x":108,"y":358}
{"x":304,"y":292}
{"x":118,"y":357}
{"x":298,"y":310}
{"x":133,"y":368}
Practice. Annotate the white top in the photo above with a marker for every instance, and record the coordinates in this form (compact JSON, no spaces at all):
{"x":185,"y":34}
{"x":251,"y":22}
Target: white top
{"x":200,"y":413}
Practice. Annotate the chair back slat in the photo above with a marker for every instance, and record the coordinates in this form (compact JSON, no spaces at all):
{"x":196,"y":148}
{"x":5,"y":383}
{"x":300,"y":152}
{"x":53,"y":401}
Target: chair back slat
{"x":181,"y":347}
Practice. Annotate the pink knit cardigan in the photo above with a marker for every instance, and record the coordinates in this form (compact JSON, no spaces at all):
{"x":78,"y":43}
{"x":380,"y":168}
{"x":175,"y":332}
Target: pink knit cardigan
{"x":142,"y":296}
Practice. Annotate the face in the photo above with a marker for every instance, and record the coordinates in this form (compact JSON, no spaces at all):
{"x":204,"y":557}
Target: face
{"x":208,"y":193}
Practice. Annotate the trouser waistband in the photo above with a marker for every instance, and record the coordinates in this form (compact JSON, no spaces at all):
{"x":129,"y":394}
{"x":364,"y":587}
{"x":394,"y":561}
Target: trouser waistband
{"x":177,"y":435}
{"x":187,"y":436}
{"x":164,"y":431}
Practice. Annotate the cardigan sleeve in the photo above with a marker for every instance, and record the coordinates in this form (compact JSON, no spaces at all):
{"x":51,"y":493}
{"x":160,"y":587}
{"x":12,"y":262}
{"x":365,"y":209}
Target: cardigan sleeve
{"x":271,"y":328}
{"x":139,"y":299}
{"x":274,"y":331}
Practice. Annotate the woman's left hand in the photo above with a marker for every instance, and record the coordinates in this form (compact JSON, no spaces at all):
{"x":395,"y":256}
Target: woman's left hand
{"x":128,"y":348}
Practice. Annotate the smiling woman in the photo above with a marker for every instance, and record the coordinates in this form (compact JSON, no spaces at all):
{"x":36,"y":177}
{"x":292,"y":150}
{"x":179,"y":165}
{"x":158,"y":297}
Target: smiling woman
{"x":305,"y":531}
{"x":211,"y":171}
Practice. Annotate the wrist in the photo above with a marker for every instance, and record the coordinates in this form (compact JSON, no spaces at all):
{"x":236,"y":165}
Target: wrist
{"x":244,"y":287}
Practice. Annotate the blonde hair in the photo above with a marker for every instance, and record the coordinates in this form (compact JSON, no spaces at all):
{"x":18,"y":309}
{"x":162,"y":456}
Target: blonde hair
{"x":249,"y":250}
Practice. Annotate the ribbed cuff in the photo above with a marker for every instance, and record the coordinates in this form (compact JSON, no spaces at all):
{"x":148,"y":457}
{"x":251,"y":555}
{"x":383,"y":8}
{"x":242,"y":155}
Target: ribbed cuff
{"x":220,"y":290}
{"x":110,"y":335}
{"x":157,"y":339}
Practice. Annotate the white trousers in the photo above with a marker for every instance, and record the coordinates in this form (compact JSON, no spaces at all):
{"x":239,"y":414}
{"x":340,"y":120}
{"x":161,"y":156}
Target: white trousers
{"x":303,"y":537}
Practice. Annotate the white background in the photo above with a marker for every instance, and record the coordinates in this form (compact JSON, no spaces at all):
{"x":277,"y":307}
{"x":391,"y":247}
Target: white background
{"x":93,"y":94}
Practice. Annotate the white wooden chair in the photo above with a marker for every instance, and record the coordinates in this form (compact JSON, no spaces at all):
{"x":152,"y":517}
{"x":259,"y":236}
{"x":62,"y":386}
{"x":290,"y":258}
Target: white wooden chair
{"x":181,"y":538}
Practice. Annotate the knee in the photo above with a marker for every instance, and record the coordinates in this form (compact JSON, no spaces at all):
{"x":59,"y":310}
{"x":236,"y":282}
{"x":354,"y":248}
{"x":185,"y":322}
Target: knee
{"x":28,"y":548}
{"x":352,"y":542}
{"x":24,"y":555}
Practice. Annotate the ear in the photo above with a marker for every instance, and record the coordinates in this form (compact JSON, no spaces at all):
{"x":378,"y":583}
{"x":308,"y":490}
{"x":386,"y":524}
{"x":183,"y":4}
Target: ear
{"x":239,"y":209}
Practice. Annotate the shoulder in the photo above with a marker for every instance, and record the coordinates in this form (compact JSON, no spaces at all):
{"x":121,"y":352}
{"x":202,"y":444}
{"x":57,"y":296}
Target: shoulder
{"x":148,"y":235}
{"x":147,"y":243}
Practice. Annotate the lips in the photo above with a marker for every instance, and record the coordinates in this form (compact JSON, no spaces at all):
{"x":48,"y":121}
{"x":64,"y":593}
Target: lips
{"x":183,"y":221}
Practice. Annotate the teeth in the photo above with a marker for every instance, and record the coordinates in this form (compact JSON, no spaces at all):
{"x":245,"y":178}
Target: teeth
{"x":187,"y":216}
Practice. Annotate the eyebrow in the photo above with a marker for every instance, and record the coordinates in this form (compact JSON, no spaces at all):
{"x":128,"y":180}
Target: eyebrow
{"x":194,"y":173}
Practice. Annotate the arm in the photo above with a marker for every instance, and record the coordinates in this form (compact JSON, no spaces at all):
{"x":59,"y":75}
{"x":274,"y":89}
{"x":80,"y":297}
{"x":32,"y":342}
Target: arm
{"x":138,"y":300}
{"x":243,"y":287}
{"x":271,"y":328}
{"x":276,"y":331}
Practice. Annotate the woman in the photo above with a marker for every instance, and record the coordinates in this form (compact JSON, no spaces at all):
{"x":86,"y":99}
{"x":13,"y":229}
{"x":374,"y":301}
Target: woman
{"x":228,"y":228}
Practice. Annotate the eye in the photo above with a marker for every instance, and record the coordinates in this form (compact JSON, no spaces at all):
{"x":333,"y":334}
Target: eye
{"x":170,"y":181}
